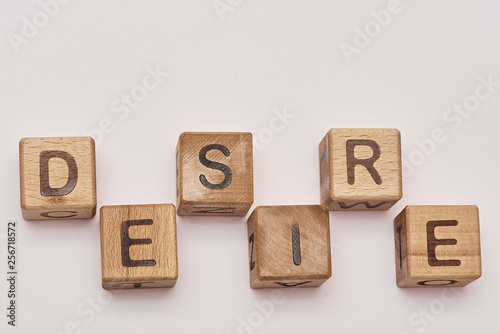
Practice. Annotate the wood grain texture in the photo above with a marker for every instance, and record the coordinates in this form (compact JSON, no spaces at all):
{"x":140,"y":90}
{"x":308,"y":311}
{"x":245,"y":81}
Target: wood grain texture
{"x":58,"y":179}
{"x":135,"y":255}
{"x":289,"y":246}
{"x":360,"y":169}
{"x":437,"y":246}
{"x":214,"y":173}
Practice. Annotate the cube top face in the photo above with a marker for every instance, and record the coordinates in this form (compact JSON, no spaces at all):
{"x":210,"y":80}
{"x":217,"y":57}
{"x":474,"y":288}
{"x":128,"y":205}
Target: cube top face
{"x":437,"y":246}
{"x":57,"y":178}
{"x":138,"y":246}
{"x":361,"y":169}
{"x":289,"y":246}
{"x":214,"y":173}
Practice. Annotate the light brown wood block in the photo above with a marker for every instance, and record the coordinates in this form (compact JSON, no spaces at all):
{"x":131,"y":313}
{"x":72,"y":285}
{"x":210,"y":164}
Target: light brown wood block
{"x":437,"y":246}
{"x":138,"y":246}
{"x":360,"y":169}
{"x":57,"y":178}
{"x":214,"y":173}
{"x":289,"y":246}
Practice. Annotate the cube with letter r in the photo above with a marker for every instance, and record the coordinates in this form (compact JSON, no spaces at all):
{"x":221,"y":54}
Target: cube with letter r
{"x":360,"y":169}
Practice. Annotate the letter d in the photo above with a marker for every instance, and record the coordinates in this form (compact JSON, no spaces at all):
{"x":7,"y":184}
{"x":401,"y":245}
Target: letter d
{"x":45,"y":188}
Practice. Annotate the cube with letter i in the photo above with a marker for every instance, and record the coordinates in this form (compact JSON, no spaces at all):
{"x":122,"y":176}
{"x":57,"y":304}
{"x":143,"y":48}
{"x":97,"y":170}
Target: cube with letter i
{"x":138,"y":246}
{"x":437,"y":246}
{"x":57,"y":178}
{"x":214,"y":173}
{"x":360,"y":169}
{"x":289,"y":246}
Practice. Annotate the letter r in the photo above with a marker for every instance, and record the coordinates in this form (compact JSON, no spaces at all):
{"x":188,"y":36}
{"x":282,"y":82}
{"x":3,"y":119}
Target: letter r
{"x":352,"y":161}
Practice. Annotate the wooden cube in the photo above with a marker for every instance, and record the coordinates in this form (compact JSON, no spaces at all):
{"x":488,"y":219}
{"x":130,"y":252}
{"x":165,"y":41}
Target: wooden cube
{"x":57,"y":178}
{"x":138,"y":246}
{"x":214,"y":174}
{"x":360,"y":169}
{"x":437,"y":246}
{"x":289,"y":246}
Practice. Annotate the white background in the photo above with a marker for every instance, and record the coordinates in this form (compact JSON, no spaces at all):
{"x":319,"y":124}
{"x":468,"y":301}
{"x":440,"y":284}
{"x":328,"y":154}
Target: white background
{"x":233,"y":72}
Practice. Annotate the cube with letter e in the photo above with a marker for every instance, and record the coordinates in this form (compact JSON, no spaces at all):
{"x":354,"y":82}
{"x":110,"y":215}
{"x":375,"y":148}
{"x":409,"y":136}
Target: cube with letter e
{"x":57,"y":178}
{"x":138,"y":246}
{"x":437,"y":246}
{"x":360,"y":169}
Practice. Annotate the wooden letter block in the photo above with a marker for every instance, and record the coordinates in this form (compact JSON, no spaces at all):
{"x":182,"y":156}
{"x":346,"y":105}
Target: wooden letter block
{"x":360,"y":169}
{"x":289,"y":246}
{"x":214,"y":174}
{"x":437,"y":246}
{"x":57,"y":178}
{"x":138,"y":246}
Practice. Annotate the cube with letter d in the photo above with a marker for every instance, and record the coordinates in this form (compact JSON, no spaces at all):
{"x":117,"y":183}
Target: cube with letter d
{"x":57,"y":178}
{"x":138,"y":246}
{"x":360,"y":169}
{"x":437,"y":245}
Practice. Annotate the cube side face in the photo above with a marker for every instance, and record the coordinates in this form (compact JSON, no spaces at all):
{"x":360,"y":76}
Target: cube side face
{"x":324,"y":174}
{"x":400,"y":246}
{"x":138,"y":246}
{"x":252,"y":250}
{"x":364,"y":169}
{"x":289,"y":246}
{"x":215,"y":174}
{"x":57,"y":178}
{"x":443,"y":246}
